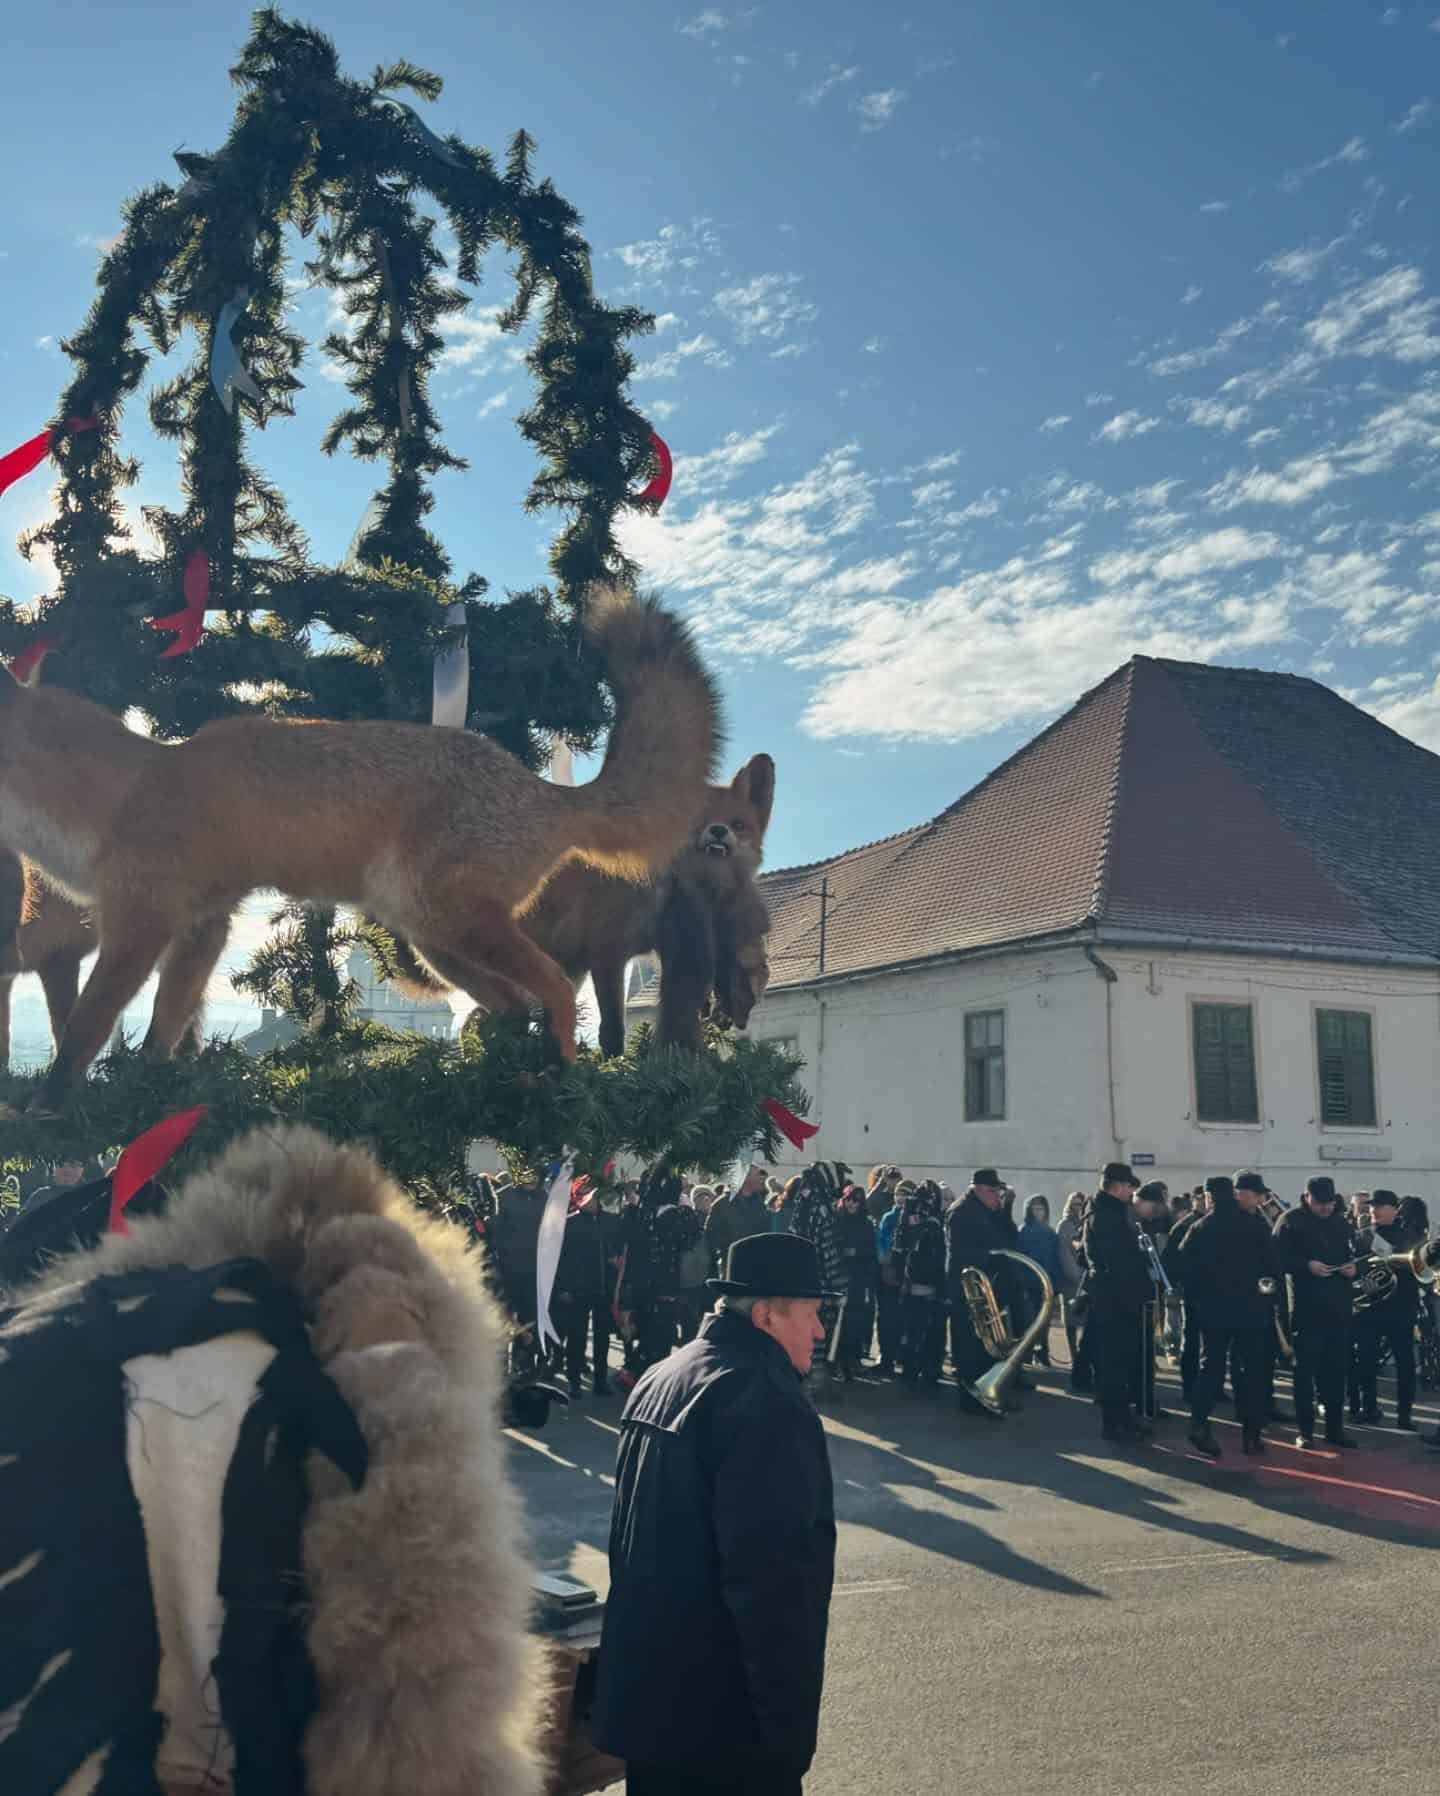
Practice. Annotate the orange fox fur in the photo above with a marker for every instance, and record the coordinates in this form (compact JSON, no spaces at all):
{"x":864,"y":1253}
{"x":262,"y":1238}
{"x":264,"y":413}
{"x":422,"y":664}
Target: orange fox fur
{"x":41,"y":932}
{"x":593,"y":923}
{"x":439,"y":833}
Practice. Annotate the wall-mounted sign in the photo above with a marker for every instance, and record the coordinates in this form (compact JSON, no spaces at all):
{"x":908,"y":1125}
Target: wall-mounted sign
{"x":1354,"y":1152}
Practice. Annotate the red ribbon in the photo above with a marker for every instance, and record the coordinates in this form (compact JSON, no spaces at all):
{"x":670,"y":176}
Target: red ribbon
{"x":26,"y":664}
{"x":794,"y":1128}
{"x":22,"y":461}
{"x":659,"y":488}
{"x":144,"y":1157}
{"x":188,"y":624}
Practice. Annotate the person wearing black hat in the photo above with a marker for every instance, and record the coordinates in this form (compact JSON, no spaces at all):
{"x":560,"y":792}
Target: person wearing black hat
{"x":1227,"y":1260}
{"x":976,"y":1226}
{"x":1313,"y":1242}
{"x":1119,"y":1288}
{"x":1392,"y":1319}
{"x":1190,"y":1330}
{"x":722,"y":1546}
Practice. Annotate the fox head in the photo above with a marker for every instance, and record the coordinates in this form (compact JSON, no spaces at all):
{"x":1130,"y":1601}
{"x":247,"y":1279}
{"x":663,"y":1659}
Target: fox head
{"x":735,"y":817}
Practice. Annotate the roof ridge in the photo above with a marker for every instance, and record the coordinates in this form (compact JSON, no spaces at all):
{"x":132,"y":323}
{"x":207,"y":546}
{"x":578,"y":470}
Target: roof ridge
{"x":831,"y":860}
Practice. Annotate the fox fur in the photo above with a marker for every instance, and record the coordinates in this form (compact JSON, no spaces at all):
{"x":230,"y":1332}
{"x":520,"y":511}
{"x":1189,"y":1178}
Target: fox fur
{"x":41,"y":932}
{"x":591,"y":923}
{"x":418,"y":1591}
{"x":438,"y":833}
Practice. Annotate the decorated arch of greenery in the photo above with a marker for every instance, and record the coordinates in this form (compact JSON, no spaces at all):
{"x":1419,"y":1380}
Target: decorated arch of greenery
{"x":350,"y":166}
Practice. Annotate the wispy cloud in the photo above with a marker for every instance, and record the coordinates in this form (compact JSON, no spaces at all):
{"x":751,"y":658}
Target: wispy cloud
{"x":1125,"y":425}
{"x":724,"y":465}
{"x":835,"y":76}
{"x":875,"y":345}
{"x":473,"y":339}
{"x":1099,"y":398}
{"x":495,"y":403}
{"x":1385,"y":316}
{"x":1418,"y":115}
{"x":766,"y":306}
{"x":668,"y":364}
{"x":1214,"y":414}
{"x":1056,"y":421}
{"x":1185,"y":361}
{"x":876,"y":110}
{"x":1297,"y":481}
{"x":673,"y":250}
{"x":103,"y":245}
{"x":1301,"y":265}
{"x":1191,"y":294}
{"x":1216,"y":206}
{"x":704,"y":24}
{"x":1353,"y":150}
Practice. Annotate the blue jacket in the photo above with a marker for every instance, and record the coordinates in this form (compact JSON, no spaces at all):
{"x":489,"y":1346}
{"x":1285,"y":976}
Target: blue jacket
{"x":722,"y":1555}
{"x":1039,"y":1242}
{"x":885,"y":1234}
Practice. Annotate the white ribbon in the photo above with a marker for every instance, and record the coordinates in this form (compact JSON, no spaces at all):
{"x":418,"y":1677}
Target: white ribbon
{"x":450,"y":699}
{"x":547,"y":1248}
{"x":227,"y":372}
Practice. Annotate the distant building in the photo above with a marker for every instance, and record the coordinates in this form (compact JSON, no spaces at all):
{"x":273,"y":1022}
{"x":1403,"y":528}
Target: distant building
{"x":1194,"y":924}
{"x":277,"y":1030}
{"x":387,"y":1004}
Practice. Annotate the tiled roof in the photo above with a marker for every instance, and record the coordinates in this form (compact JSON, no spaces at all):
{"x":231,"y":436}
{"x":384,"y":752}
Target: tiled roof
{"x":1178,"y":800}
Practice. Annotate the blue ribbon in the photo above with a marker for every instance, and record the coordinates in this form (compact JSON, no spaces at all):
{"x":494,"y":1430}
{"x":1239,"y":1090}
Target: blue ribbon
{"x":228,"y":374}
{"x":436,"y":146}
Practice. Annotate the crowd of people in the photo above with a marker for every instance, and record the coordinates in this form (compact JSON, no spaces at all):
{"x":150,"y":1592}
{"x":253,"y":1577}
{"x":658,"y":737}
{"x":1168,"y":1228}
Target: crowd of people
{"x":1227,"y":1281}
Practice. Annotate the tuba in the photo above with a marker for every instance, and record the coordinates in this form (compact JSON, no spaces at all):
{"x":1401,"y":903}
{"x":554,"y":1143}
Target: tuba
{"x":992,"y":1326}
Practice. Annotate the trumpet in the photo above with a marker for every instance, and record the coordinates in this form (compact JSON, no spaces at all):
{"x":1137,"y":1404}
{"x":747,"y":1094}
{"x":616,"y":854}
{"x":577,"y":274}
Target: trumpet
{"x":992,"y":1326}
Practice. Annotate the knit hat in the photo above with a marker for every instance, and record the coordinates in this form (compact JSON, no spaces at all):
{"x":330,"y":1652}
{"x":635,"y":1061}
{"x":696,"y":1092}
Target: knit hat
{"x":1251,"y":1181}
{"x":1151,"y":1192}
{"x":1384,"y":1197}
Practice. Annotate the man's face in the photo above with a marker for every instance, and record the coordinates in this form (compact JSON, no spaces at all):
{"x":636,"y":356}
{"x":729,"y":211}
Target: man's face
{"x":69,"y":1172}
{"x":1384,"y":1214}
{"x":1249,"y":1201}
{"x":1118,"y":1188}
{"x":792,"y":1321}
{"x":754,"y":1181}
{"x":990,"y":1195}
{"x":1322,"y":1206}
{"x":1147,"y":1209}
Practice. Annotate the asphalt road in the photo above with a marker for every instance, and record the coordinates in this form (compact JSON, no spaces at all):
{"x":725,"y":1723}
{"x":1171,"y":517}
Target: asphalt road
{"x":1018,"y":1606}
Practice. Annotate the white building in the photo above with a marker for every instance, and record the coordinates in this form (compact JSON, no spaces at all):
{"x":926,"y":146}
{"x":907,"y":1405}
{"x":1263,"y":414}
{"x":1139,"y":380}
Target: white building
{"x":387,"y":1004}
{"x":1195,"y":924}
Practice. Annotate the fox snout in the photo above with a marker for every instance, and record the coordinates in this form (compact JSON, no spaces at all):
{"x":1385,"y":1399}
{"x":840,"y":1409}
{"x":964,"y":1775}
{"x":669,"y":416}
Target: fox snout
{"x":717,"y":838}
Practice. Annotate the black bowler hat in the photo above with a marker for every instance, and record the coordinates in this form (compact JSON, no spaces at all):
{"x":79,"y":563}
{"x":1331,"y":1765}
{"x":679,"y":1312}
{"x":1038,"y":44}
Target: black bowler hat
{"x":987,"y":1175}
{"x":1251,"y":1181}
{"x":771,"y":1266}
{"x":1118,"y":1173}
{"x":1321,"y":1188}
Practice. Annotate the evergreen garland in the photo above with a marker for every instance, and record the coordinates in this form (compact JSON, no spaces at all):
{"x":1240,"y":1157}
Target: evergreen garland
{"x":348,"y":163}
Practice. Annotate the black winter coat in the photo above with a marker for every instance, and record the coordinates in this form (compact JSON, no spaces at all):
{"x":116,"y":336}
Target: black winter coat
{"x":1119,"y":1281}
{"x":1401,"y":1305}
{"x":1302,"y":1236}
{"x":1174,"y":1241}
{"x":1222,"y":1259}
{"x":732,"y":1219}
{"x":584,"y":1270}
{"x":859,"y":1256}
{"x":722,"y":1556}
{"x":514,"y":1240}
{"x":972,"y":1234}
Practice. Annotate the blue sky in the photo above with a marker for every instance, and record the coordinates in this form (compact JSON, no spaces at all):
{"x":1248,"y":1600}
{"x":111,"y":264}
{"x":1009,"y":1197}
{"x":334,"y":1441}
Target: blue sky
{"x":998,"y":341}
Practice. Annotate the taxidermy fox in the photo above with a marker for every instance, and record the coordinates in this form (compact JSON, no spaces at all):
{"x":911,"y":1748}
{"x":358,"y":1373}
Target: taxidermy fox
{"x":40,"y":932}
{"x":704,"y":913}
{"x":438,"y":833}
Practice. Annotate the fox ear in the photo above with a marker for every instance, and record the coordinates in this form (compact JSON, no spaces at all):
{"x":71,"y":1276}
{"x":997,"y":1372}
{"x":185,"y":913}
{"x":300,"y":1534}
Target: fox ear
{"x":756,"y":782}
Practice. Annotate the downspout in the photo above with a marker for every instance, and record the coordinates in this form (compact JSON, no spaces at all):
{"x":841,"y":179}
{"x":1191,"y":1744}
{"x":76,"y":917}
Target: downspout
{"x":1110,"y":978}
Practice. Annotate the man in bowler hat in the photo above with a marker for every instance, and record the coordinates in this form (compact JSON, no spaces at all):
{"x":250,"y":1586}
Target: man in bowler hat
{"x":722,"y":1546}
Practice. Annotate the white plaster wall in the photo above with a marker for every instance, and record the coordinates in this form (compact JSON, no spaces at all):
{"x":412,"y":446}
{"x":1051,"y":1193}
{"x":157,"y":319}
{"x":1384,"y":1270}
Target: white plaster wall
{"x":884,"y":1065}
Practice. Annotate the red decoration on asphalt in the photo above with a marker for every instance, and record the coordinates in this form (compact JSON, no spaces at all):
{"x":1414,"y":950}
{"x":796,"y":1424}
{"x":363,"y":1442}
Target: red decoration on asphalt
{"x":659,"y":488}
{"x":144,"y":1157}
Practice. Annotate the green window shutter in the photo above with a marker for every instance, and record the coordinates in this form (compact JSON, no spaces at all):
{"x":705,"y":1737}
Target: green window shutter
{"x":1225,"y":1089}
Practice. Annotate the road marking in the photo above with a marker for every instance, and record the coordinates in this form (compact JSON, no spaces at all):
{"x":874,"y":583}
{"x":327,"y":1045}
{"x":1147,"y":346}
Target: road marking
{"x":875,"y":1587}
{"x":1184,"y":1559}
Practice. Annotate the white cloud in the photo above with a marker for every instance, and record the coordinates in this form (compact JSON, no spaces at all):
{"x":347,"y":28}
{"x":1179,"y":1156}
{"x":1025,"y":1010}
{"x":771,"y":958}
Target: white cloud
{"x":1214,"y":414}
{"x":1418,"y":115}
{"x":1385,"y":316}
{"x":1191,"y":294}
{"x":45,"y":343}
{"x":673,"y":250}
{"x":1353,"y":150}
{"x":1099,"y":399}
{"x":876,"y":110}
{"x":472,"y":339}
{"x":875,"y":345}
{"x":1056,"y":421}
{"x":767,"y":306}
{"x":1125,"y":425}
{"x":1216,"y":206}
{"x":495,"y":403}
{"x":667,"y":365}
{"x":835,"y":76}
{"x":705,"y":24}
{"x":1293,"y":484}
{"x":1186,"y":558}
{"x":1187,"y":360}
{"x":725,"y":464}
{"x":1301,"y":265}
{"x":787,"y":351}
{"x":932,"y":492}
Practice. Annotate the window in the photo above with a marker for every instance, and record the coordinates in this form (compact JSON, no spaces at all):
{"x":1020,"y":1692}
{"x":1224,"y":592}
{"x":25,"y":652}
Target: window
{"x":1346,"y":1062}
{"x":984,"y":1065}
{"x":1225,"y":1064}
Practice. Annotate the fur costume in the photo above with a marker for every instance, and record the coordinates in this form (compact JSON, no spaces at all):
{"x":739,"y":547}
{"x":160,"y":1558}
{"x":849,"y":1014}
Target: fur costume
{"x":416,"y":1593}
